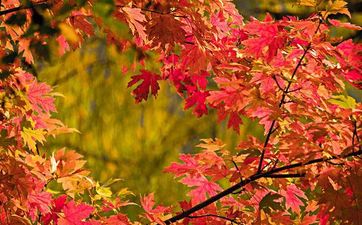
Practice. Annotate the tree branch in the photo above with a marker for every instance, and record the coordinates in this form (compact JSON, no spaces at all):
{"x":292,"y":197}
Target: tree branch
{"x":250,"y":179}
{"x":287,"y":175}
{"x":23,"y":7}
{"x":282,"y":101}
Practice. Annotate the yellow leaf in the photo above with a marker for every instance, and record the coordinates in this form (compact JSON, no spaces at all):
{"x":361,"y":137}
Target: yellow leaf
{"x":104,"y":191}
{"x":124,"y":192}
{"x":311,"y":3}
{"x":211,"y":145}
{"x":30,"y":137}
{"x":335,"y":7}
{"x":69,"y":33}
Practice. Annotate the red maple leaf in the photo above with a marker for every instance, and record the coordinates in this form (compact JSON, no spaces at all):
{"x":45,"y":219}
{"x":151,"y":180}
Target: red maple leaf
{"x":267,"y":38}
{"x":59,"y":204}
{"x":203,"y":187}
{"x":150,"y":82}
{"x":349,"y":26}
{"x":235,"y":121}
{"x":190,"y":166}
{"x":75,"y":214}
{"x":197,"y":98}
{"x":153,"y":213}
{"x":39,"y":202}
{"x":119,"y":219}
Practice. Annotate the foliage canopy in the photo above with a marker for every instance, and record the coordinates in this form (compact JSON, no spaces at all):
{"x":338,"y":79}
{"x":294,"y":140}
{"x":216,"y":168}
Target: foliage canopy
{"x":289,"y":75}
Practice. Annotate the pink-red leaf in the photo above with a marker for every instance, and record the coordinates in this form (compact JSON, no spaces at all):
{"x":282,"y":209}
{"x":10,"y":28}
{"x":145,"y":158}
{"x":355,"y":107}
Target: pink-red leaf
{"x":75,"y":214}
{"x":292,"y":197}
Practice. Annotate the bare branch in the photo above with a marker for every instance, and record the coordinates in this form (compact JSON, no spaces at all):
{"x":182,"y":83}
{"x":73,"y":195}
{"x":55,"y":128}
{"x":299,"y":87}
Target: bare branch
{"x":287,"y":175}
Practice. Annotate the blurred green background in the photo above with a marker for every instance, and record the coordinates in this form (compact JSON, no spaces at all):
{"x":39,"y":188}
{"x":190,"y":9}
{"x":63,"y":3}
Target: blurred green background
{"x":134,"y":142}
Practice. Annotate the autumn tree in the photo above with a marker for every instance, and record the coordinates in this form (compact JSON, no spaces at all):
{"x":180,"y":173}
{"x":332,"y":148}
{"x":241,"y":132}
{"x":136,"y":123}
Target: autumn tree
{"x":288,"y":74}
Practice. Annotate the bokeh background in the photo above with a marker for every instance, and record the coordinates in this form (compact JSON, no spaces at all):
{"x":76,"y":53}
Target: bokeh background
{"x":134,"y":142}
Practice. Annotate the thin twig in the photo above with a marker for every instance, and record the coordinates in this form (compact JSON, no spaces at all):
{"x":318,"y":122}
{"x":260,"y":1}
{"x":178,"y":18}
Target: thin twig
{"x":277,"y":82}
{"x":237,"y":168}
{"x":283,"y":99}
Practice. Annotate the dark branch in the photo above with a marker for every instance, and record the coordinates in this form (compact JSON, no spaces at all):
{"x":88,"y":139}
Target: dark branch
{"x":287,"y":175}
{"x":250,"y":179}
{"x":271,"y":129}
{"x":23,"y":7}
{"x":282,"y":101}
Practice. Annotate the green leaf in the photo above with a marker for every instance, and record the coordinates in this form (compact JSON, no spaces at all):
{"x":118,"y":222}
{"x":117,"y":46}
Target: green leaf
{"x":343,"y":101}
{"x":268,"y":203}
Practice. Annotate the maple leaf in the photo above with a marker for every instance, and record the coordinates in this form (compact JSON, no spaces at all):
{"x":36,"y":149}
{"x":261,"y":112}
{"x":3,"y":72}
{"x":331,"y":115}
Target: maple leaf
{"x":219,"y":21}
{"x":200,"y":80}
{"x":311,"y":3}
{"x":39,"y":201}
{"x":24,"y":46}
{"x":355,"y":78}
{"x":30,"y":137}
{"x":198,"y":99}
{"x":154,"y":214}
{"x":135,"y":18}
{"x":266,"y":38}
{"x":211,"y":144}
{"x":68,"y":162}
{"x":190,"y":165}
{"x":351,"y":54}
{"x":149,"y":83}
{"x":165,"y":29}
{"x":292,"y":195}
{"x":349,"y":26}
{"x":38,"y":95}
{"x":194,"y":58}
{"x":335,"y":7}
{"x":75,"y":214}
{"x":63,"y":45}
{"x":203,"y":187}
{"x":58,"y":205}
{"x":235,"y":121}
{"x":79,"y":20}
{"x":267,"y":83}
{"x":119,"y":219}
{"x":264,"y":115}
